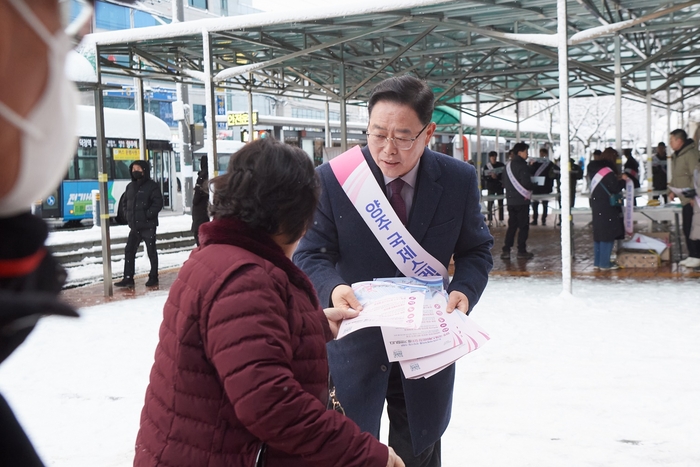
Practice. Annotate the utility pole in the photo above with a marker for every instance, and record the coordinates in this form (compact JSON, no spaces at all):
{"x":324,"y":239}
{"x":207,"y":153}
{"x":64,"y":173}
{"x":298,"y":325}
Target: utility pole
{"x":178,"y":15}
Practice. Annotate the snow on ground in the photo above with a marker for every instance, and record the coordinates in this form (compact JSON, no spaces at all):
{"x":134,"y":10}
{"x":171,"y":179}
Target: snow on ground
{"x":608,"y":377}
{"x":90,"y":268}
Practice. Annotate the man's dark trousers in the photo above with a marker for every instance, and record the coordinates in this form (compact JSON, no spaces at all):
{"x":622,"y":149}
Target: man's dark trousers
{"x":536,"y":209}
{"x":148,"y":236}
{"x":518,"y":220}
{"x":399,"y":434}
{"x":500,"y":204}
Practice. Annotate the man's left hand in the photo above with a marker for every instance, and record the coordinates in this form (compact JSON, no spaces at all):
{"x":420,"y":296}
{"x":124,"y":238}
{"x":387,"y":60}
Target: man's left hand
{"x":457,"y":300}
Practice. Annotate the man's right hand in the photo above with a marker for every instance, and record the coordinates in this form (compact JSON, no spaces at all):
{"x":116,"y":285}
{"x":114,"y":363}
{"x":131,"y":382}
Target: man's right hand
{"x":394,"y":459}
{"x":671,"y":196}
{"x":343,"y":297}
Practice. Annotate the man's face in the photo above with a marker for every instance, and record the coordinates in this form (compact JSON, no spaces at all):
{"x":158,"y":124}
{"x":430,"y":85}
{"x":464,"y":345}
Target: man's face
{"x":136,"y":168}
{"x":523,"y":154}
{"x":675,"y":143}
{"x":492,"y":159}
{"x":397,"y":121}
{"x":661,"y":150}
{"x":23,"y":75}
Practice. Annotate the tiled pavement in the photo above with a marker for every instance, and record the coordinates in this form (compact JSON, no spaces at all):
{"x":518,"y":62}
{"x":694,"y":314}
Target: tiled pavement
{"x":544,"y":242}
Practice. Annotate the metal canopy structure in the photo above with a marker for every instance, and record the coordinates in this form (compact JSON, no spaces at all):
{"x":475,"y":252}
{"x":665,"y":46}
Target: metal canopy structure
{"x":505,"y":50}
{"x":479,"y":56}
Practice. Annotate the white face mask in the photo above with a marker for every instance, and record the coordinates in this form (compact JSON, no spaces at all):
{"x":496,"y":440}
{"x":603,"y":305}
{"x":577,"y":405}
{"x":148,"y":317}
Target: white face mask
{"x":48,"y":133}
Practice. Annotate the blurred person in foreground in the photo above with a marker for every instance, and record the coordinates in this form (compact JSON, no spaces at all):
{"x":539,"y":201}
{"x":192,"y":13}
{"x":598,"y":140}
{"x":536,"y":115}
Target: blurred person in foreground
{"x":685,"y":158}
{"x":37,"y":140}
{"x":436,"y":199}
{"x":241,"y":369}
{"x":608,"y":224}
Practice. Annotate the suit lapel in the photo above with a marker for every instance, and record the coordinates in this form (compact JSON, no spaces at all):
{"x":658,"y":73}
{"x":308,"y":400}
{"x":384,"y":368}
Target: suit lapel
{"x":426,"y":197}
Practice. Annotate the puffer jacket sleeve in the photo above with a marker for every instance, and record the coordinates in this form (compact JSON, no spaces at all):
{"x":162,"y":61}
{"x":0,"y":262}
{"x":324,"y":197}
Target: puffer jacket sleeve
{"x":249,"y":341}
{"x":155,"y":203}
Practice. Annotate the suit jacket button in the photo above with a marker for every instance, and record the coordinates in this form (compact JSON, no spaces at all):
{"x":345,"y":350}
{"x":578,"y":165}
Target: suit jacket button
{"x":383,"y":368}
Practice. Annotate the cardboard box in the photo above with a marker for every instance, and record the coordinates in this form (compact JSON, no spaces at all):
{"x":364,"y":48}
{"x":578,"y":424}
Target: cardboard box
{"x":638,"y":259}
{"x":664,"y":237}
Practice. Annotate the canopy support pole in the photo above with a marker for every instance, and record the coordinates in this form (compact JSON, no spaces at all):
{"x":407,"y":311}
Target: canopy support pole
{"x":564,"y":136}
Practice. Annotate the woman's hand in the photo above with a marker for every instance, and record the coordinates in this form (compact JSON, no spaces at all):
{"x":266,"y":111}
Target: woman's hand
{"x":394,"y":459}
{"x":336,"y":315}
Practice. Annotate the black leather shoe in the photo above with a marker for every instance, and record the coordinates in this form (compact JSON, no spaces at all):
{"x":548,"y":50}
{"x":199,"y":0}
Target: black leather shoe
{"x":152,"y":282}
{"x":525,"y":255}
{"x":126,"y":282}
{"x":505,"y":255}
{"x":533,"y":222}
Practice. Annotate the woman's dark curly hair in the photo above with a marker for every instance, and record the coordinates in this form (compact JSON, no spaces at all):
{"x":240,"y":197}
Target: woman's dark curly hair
{"x":270,"y":186}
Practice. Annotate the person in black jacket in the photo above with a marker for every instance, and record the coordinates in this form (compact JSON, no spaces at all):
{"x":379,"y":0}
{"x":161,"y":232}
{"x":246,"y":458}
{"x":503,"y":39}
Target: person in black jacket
{"x":518,"y":187}
{"x":200,"y":199}
{"x":549,"y":172}
{"x":659,"y":170}
{"x":492,"y":178}
{"x":608,"y":223}
{"x":142,"y":201}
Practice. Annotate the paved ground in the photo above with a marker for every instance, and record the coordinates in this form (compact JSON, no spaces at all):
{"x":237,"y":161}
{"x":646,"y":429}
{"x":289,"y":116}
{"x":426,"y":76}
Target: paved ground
{"x":544,"y":242}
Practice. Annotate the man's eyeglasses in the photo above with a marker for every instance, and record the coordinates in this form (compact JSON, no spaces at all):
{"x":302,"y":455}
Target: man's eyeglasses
{"x":403,"y":144}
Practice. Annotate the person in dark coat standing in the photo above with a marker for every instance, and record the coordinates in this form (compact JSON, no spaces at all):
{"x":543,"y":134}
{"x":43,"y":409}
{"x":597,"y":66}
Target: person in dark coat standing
{"x":659,"y":170}
{"x":241,"y":368}
{"x":549,"y":172}
{"x":437,"y":198}
{"x":608,"y":223}
{"x":200,"y":199}
{"x":492,"y":178}
{"x":142,"y":201}
{"x":518,"y":185}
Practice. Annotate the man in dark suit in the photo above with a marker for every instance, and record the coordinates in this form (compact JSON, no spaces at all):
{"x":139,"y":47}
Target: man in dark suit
{"x":440,"y":199}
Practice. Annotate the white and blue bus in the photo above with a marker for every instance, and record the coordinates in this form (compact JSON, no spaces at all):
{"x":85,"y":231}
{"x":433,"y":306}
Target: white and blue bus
{"x":72,"y":200}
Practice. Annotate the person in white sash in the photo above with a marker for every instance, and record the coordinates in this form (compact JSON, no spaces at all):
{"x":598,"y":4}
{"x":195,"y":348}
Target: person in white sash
{"x":492,"y":177}
{"x":439,"y":203}
{"x":518,"y":187}
{"x":607,"y":220}
{"x":548,"y":171}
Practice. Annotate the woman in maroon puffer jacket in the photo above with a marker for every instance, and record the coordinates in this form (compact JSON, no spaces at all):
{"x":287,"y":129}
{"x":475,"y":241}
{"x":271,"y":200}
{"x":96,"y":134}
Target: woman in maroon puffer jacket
{"x":241,"y":365}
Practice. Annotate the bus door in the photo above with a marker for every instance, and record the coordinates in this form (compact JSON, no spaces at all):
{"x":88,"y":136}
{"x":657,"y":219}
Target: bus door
{"x":161,"y":173}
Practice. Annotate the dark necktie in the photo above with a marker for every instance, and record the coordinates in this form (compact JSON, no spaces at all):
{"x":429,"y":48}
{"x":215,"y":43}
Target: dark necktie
{"x":396,"y":200}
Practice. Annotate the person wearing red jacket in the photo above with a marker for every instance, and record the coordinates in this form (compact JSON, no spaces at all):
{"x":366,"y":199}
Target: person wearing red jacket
{"x":240,"y":376}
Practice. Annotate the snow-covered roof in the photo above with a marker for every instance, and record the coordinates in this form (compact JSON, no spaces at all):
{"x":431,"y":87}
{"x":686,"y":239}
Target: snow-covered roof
{"x":79,"y":69}
{"x":243,"y":22}
{"x":122,"y":124}
{"x":502,"y":50}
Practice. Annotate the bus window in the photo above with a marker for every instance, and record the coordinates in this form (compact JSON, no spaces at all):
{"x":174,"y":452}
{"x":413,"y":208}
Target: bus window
{"x":87,"y":163}
{"x":121,"y":170}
